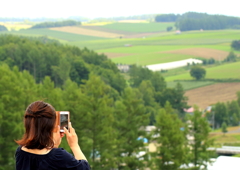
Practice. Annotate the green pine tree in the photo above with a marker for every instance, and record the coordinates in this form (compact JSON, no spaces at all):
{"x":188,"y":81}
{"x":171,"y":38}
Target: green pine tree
{"x":97,"y":113}
{"x":170,"y":140}
{"x":224,"y":128}
{"x":199,"y":130}
{"x":130,"y":123}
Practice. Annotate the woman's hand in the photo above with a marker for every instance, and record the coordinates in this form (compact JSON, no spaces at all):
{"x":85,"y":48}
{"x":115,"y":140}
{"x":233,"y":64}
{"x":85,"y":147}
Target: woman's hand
{"x":71,"y":136}
{"x":57,"y":137}
{"x":73,"y":142}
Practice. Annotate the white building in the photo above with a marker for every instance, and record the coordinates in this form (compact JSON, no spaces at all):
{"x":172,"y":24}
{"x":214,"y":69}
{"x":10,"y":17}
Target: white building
{"x":172,"y":65}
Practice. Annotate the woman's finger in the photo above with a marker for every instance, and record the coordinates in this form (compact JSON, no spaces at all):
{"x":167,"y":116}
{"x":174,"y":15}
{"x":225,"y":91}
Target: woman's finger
{"x":66,"y":131}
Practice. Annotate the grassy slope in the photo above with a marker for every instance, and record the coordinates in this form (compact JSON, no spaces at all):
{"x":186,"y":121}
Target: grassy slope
{"x":189,"y":85}
{"x":150,"y":58}
{"x":230,"y":70}
{"x":205,"y":39}
{"x":54,"y":34}
{"x":139,"y":27}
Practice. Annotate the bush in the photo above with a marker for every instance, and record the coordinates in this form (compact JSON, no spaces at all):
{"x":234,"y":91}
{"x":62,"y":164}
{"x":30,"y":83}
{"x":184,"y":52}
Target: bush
{"x":236,"y":45}
{"x":197,"y":72}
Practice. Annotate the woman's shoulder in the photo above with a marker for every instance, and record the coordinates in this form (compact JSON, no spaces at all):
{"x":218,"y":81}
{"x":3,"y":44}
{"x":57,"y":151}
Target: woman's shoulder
{"x":61,"y":157}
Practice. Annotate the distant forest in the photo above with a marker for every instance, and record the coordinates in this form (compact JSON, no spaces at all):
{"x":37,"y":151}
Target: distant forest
{"x":56,"y":24}
{"x":196,"y":21}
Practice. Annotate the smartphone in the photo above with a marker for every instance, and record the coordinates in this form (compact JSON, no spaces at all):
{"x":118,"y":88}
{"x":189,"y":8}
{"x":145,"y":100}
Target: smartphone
{"x":62,"y":120}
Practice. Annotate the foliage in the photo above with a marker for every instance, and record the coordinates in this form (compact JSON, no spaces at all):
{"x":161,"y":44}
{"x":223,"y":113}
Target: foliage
{"x":196,"y":21}
{"x":130,"y":122}
{"x":169,"y":28}
{"x":231,"y":57}
{"x":208,"y":61}
{"x":3,"y":28}
{"x":199,"y":129}
{"x":236,"y":45}
{"x":167,"y":18}
{"x":56,"y":24}
{"x":233,"y":110}
{"x":57,"y":61}
{"x":224,"y":128}
{"x":104,"y":111}
{"x":197,"y":72}
{"x":171,"y":149}
{"x":96,"y":106}
{"x":220,"y":114}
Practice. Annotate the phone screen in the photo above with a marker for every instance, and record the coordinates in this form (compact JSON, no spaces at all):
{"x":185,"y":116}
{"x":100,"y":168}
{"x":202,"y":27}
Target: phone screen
{"x":64,"y":119}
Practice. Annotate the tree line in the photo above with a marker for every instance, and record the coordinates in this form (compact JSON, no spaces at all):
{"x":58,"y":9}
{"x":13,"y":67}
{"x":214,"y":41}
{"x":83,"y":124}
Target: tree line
{"x":56,"y":24}
{"x":196,"y":21}
{"x":3,"y":28}
{"x":109,"y":114}
{"x":228,"y":113}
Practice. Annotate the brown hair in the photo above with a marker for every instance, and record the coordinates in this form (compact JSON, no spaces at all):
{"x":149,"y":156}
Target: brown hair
{"x":39,"y":122}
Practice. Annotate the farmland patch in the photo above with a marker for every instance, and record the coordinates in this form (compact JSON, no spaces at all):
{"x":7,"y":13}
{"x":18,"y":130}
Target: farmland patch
{"x":115,"y":55}
{"x":133,"y":21}
{"x":84,"y":31}
{"x":208,"y":95}
{"x":15,"y":26}
{"x":201,"y":52}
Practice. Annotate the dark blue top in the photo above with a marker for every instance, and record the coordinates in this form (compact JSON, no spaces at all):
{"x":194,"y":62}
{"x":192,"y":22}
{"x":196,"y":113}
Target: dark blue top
{"x":57,"y":158}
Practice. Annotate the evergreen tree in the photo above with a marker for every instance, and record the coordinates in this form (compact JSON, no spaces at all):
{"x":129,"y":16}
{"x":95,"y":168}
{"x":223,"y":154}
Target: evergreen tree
{"x":171,"y":141}
{"x":12,"y":99}
{"x":199,"y":130}
{"x":220,"y":114}
{"x":224,"y":128}
{"x":97,"y":110}
{"x":130,"y":123}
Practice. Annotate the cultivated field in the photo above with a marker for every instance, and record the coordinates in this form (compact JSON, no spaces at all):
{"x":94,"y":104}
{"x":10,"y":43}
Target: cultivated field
{"x":145,"y":55}
{"x":188,"y":85}
{"x":208,"y":95}
{"x":133,"y":21}
{"x":62,"y":36}
{"x":201,"y":52}
{"x":84,"y":31}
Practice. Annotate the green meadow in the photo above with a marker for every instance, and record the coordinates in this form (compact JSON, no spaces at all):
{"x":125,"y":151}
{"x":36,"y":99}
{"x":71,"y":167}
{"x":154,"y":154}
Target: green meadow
{"x":225,"y":71}
{"x":139,"y":27}
{"x":188,"y":85}
{"x":68,"y":37}
{"x":207,"y":38}
{"x":150,"y":58}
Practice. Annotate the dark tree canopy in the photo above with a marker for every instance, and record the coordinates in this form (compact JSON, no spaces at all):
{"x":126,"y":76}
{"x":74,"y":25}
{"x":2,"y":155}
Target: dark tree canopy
{"x":3,"y":28}
{"x":166,"y":18}
{"x":197,"y":72}
{"x":236,"y":45}
{"x":56,"y":24}
{"x":196,"y":21}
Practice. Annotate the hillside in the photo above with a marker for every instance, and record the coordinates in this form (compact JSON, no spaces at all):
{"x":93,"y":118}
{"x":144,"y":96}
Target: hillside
{"x":145,"y":43}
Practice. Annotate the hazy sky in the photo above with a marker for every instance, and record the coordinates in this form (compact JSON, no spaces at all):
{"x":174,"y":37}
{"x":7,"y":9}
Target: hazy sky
{"x":113,"y":8}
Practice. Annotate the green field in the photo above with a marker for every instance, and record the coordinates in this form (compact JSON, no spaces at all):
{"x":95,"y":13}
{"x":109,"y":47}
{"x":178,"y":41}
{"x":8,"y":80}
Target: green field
{"x":193,"y":38}
{"x":54,"y":34}
{"x":189,"y":85}
{"x":224,"y":71}
{"x":139,"y":27}
{"x":150,"y":58}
